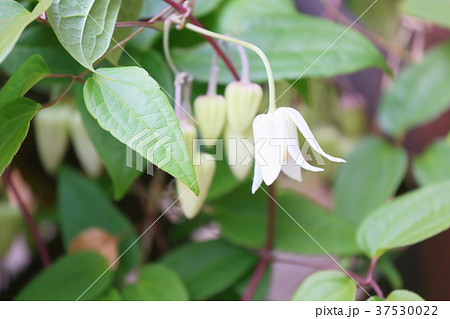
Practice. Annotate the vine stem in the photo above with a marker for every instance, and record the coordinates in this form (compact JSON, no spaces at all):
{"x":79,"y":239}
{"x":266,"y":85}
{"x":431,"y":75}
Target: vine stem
{"x":254,"y":48}
{"x":43,"y":253}
{"x":266,"y":255}
{"x":213,"y":43}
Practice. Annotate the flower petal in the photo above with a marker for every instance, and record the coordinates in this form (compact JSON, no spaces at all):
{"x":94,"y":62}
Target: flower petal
{"x":257,"y":178}
{"x":299,"y":121}
{"x":297,"y":155}
{"x":267,"y":149}
{"x":292,"y":170}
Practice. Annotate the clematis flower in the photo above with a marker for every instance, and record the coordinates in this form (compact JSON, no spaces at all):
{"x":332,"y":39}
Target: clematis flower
{"x":277,"y":146}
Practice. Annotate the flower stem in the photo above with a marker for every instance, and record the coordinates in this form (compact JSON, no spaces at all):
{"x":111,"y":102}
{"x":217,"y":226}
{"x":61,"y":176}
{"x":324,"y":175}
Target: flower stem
{"x":245,"y":74}
{"x":45,"y":257}
{"x":254,"y":48}
{"x":166,"y":46}
{"x":266,"y":255}
{"x":212,"y":83}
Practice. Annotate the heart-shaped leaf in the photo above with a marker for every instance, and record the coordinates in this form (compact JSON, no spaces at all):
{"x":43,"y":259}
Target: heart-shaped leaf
{"x":84,"y":27}
{"x":129,"y":104}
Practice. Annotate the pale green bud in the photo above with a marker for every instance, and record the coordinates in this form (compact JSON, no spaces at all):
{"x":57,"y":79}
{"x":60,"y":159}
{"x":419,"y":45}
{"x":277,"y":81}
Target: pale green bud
{"x":52,"y":135}
{"x":239,"y":149}
{"x":211,"y":114}
{"x":243,"y":100}
{"x":84,"y":149}
{"x":189,"y":134}
{"x":11,"y":222}
{"x":191,"y":204}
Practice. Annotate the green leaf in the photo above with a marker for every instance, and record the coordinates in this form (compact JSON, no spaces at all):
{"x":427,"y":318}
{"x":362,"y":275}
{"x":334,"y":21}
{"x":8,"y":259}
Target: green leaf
{"x":419,"y":95}
{"x":14,"y":18}
{"x":111,"y":295}
{"x":435,"y":11}
{"x":432,"y":165}
{"x":15,"y":117}
{"x":133,"y":109}
{"x":129,"y":11}
{"x":68,"y":278}
{"x":326,"y":285}
{"x":371,"y":175}
{"x":223,"y":182}
{"x":112,"y":153}
{"x":288,"y":41}
{"x":243,"y":221}
{"x":26,"y":76}
{"x":40,"y":39}
{"x":83,"y":205}
{"x":408,"y":219}
{"x":84,"y":27}
{"x":403,"y":295}
{"x":156,"y":282}
{"x":210,"y":267}
{"x":11,"y":223}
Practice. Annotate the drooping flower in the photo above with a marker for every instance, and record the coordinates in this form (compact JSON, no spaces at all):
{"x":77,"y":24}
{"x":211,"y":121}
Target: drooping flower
{"x":277,"y":146}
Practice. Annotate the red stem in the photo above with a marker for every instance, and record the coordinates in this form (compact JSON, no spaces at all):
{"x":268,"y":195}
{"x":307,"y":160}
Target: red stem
{"x":266,"y":255}
{"x":29,"y":220}
{"x":213,"y":43}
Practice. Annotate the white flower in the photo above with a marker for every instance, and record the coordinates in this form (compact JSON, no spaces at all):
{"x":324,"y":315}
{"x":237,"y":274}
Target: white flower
{"x":277,"y":146}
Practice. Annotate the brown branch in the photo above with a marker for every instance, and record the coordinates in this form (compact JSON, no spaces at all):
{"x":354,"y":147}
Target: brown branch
{"x":266,"y":255}
{"x":43,"y":253}
{"x":213,"y":43}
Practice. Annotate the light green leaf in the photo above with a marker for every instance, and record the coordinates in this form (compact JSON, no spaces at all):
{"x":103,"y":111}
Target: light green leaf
{"x":112,"y":152}
{"x":26,"y":76}
{"x":419,"y":95}
{"x":408,"y":219}
{"x":84,"y":27}
{"x":14,"y":18}
{"x":243,"y":221}
{"x":287,"y":38}
{"x":403,"y":295}
{"x":11,"y":223}
{"x":15,"y":118}
{"x":128,"y":103}
{"x":433,"y":165}
{"x":129,"y":11}
{"x":326,"y":285}
{"x":156,"y":282}
{"x":82,"y":205}
{"x":40,"y":39}
{"x":210,"y":267}
{"x":435,"y":11}
{"x":68,"y":278}
{"x":371,"y":175}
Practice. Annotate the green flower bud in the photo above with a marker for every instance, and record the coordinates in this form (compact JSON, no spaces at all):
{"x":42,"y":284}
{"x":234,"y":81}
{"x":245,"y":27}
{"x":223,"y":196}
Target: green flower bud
{"x":352,"y":116}
{"x":191,"y":204}
{"x":239,"y":149}
{"x":84,"y":149}
{"x":211,"y":114}
{"x":243,"y":100}
{"x":189,"y":134}
{"x":11,"y":222}
{"x":52,"y":135}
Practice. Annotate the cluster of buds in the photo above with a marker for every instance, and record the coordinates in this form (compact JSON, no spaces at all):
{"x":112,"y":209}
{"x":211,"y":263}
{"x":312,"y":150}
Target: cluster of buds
{"x":54,"y":127}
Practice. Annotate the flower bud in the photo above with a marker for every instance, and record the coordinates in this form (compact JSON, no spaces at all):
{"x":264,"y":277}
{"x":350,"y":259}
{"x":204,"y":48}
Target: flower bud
{"x":211,"y":114}
{"x":239,"y":148}
{"x":191,"y":204}
{"x":84,"y":149}
{"x":352,"y":116}
{"x":243,"y":100}
{"x":11,"y":222}
{"x":189,"y":134}
{"x":97,"y":240}
{"x":52,"y":135}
